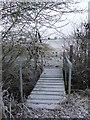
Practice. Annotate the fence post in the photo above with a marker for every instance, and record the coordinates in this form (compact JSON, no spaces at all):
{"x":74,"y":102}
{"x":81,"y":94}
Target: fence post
{"x":65,"y":69}
{"x":71,"y":53}
{"x":42,"y":59}
{"x":21,"y":82}
{"x":66,"y":74}
{"x":1,"y":101}
{"x":88,"y":73}
{"x":69,"y":83}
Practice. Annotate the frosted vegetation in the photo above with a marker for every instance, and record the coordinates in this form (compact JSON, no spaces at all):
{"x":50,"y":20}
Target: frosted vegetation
{"x":24,"y":27}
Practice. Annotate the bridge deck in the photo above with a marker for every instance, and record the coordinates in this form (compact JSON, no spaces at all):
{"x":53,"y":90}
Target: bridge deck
{"x":49,"y":90}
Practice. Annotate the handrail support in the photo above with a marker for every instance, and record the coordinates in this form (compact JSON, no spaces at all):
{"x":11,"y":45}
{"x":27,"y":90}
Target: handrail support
{"x":66,"y":60}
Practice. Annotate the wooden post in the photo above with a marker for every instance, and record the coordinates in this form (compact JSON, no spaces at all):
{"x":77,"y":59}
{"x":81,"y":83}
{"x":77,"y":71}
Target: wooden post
{"x":1,"y":101}
{"x":89,"y":54}
{"x":69,"y":83}
{"x":71,"y":53}
{"x":21,"y":82}
{"x":89,"y":45}
{"x":42,"y":59}
{"x":66,"y":74}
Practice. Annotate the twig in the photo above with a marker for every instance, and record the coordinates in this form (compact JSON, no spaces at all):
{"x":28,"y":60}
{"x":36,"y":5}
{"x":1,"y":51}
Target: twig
{"x":9,"y":112}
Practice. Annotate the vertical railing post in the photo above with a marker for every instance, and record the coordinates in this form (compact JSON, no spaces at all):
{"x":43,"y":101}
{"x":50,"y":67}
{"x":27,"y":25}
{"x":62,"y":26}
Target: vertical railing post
{"x":65,"y":70}
{"x":42,"y":59}
{"x":21,"y":82}
{"x":65,"y":73}
{"x":88,"y":72}
{"x":1,"y":100}
{"x":69,"y":83}
{"x":66,"y":60}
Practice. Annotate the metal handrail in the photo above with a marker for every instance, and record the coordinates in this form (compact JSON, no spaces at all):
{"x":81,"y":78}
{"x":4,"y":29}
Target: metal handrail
{"x":66,"y":60}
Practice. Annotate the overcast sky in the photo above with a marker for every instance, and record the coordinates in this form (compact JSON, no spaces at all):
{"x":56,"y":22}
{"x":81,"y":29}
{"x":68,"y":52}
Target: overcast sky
{"x":74,"y":20}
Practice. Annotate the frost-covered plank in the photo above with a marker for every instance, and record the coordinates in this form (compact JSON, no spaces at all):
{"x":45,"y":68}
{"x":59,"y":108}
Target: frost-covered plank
{"x":48,"y":93}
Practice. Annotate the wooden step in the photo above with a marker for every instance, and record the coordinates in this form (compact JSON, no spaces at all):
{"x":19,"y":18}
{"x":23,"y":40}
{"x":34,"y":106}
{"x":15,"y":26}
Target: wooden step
{"x":45,"y":97}
{"x":43,"y":83}
{"x":50,"y":89}
{"x":50,"y":81}
{"x":51,"y":76}
{"x":39,"y":90}
{"x":48,"y":86}
{"x":53,"y":86}
{"x":45,"y":101}
{"x":43,"y":105}
{"x":47,"y":93}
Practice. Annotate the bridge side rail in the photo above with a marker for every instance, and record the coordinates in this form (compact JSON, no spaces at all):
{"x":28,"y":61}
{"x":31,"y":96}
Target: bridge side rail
{"x":67,"y":61}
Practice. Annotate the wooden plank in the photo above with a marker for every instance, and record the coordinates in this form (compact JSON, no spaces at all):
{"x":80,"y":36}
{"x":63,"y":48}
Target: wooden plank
{"x":50,"y":89}
{"x":45,"y":97}
{"x":53,"y":70}
{"x":53,"y":86}
{"x":59,"y":79}
{"x":47,"y":93}
{"x":55,"y":80}
{"x":51,"y":78}
{"x":48,"y":86}
{"x":60,"y":90}
{"x":51,"y":73}
{"x":45,"y":101}
{"x":50,"y":83}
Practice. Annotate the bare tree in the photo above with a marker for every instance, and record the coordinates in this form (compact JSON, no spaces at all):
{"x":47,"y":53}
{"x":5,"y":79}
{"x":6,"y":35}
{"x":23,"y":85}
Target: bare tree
{"x":23,"y":20}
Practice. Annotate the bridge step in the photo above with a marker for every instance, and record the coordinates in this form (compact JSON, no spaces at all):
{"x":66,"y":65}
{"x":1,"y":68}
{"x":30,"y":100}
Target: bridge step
{"x":50,"y":89}
{"x":51,"y":101}
{"x":45,"y":97}
{"x":51,"y":80}
{"x":43,"y":105}
{"x":51,"y":75}
{"x":47,"y":93}
{"x":48,"y":86}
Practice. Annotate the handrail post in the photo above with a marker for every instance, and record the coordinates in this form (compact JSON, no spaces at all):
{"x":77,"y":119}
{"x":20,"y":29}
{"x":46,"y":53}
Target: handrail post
{"x":66,"y":60}
{"x":65,"y":70}
{"x":42,"y":59}
{"x":21,"y":82}
{"x":69,"y":83}
{"x":65,"y":73}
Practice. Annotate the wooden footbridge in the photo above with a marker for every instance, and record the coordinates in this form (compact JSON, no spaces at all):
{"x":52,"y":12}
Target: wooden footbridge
{"x":49,"y":90}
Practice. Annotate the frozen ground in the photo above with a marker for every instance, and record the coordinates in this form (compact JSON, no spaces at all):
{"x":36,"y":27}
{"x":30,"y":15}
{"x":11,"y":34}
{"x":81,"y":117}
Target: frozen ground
{"x":54,"y":57}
